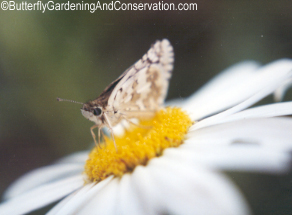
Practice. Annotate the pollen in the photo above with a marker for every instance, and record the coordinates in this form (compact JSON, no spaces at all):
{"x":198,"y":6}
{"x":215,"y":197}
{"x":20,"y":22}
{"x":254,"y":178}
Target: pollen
{"x":138,"y":145}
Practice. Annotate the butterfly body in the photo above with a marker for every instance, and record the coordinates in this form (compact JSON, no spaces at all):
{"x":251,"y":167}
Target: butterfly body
{"x":138,"y":93}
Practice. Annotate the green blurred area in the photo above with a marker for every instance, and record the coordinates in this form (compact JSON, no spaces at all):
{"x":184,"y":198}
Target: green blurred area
{"x":76,"y":54}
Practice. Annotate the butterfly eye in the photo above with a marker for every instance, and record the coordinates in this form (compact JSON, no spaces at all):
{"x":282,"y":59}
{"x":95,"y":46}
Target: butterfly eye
{"x":96,"y":111}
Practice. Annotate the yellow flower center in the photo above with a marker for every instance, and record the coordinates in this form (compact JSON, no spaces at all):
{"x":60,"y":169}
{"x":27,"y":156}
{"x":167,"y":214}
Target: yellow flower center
{"x":138,"y":145}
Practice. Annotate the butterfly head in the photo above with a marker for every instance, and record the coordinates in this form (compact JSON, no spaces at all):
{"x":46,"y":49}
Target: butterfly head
{"x":93,"y":112}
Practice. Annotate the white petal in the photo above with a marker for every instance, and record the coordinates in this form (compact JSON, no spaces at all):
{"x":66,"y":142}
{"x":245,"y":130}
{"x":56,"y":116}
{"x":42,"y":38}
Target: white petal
{"x":272,"y":110}
{"x":62,"y":206}
{"x":178,"y":102}
{"x":274,"y":133}
{"x":119,"y":129}
{"x":235,"y":158}
{"x":79,"y":199}
{"x":103,"y":202}
{"x":129,"y":201}
{"x":143,"y":184}
{"x":213,"y":120}
{"x":252,"y":145}
{"x":78,"y":157}
{"x":41,"y":176}
{"x":41,"y":196}
{"x":209,"y":99}
{"x":247,"y":91}
{"x":63,"y":202}
{"x":182,"y":188}
{"x":280,"y":92}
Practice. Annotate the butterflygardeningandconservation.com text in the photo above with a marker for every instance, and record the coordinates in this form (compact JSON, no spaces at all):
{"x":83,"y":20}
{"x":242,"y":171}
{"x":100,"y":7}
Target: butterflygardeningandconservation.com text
{"x":95,"y":6}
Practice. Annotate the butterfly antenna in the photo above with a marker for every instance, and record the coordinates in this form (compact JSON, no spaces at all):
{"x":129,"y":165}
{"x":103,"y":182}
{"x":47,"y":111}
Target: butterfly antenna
{"x":67,"y":100}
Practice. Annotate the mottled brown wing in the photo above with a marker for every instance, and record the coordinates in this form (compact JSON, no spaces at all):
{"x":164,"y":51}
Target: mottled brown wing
{"x":143,"y":87}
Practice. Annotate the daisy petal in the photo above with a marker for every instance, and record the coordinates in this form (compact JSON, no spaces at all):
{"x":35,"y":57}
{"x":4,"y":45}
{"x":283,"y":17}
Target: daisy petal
{"x":200,"y":191}
{"x":272,"y":110}
{"x":80,"y":198}
{"x":41,"y":196}
{"x":63,"y":202}
{"x":253,"y":144}
{"x":78,"y":157}
{"x":208,"y":99}
{"x":280,"y":92}
{"x":128,"y":198}
{"x":41,"y":176}
{"x":274,"y":133}
{"x":236,"y":158}
{"x":178,"y":102}
{"x":103,"y":201}
{"x":142,"y":182}
{"x":262,"y":83}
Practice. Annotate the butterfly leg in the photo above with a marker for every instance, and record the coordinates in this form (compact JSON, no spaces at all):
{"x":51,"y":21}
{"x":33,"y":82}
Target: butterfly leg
{"x":103,"y":135}
{"x":112,"y":133}
{"x":99,"y":135}
{"x":93,"y":135}
{"x":111,"y":130}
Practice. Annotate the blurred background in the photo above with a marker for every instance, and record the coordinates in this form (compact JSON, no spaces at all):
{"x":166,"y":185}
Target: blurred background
{"x":76,"y":54}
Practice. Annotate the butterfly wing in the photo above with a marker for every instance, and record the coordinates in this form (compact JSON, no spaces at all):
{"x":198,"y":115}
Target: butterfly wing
{"x":143,"y":87}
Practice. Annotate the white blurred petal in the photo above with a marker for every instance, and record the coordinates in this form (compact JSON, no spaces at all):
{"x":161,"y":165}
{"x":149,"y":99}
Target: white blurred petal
{"x":181,"y":188}
{"x":41,"y":196}
{"x":78,"y":157}
{"x":170,"y":187}
{"x":265,"y":111}
{"x":143,"y":184}
{"x":80,"y":198}
{"x":129,"y":201}
{"x":251,"y":145}
{"x":41,"y":176}
{"x":119,"y":129}
{"x":274,"y":133}
{"x":245,"y":91}
{"x":64,"y":201}
{"x":208,"y":99}
{"x":280,"y":92}
{"x":179,"y":102}
{"x":233,"y":158}
{"x":103,"y":202}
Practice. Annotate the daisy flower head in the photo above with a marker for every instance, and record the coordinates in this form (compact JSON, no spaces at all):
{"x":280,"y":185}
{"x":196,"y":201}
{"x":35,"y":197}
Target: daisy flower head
{"x":176,"y":166}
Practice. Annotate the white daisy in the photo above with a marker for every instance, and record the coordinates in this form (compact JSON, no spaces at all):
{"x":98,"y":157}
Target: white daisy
{"x":185,"y":179}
